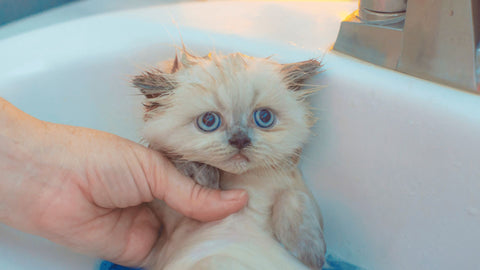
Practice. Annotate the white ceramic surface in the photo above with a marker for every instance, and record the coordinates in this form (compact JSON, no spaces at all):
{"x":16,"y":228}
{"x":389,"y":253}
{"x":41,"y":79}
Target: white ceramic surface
{"x":393,"y":164}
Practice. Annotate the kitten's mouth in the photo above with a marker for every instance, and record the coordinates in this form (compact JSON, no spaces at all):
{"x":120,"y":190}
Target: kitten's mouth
{"x":239,"y":157}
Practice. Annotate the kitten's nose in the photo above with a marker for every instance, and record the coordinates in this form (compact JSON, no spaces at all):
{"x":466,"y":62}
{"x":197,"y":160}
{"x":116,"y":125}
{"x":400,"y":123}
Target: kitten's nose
{"x":240,"y":140}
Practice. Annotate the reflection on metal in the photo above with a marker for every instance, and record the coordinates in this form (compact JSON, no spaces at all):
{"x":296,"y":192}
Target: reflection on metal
{"x":384,"y":6}
{"x":382,"y":11}
{"x":435,"y":40}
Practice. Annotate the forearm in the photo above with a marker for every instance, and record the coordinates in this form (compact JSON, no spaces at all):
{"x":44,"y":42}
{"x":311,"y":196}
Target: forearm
{"x":16,"y":156}
{"x":14,"y":123}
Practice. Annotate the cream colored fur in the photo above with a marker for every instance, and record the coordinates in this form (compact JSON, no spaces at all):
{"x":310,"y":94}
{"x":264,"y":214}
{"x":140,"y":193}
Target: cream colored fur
{"x":281,"y":228}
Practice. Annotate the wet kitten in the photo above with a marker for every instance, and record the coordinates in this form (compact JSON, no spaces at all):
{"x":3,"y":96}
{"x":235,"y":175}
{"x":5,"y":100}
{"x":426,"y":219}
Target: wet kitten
{"x":235,"y":122}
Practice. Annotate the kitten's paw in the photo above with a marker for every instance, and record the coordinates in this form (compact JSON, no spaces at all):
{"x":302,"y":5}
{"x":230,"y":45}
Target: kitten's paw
{"x":310,"y":251}
{"x":297,"y":224}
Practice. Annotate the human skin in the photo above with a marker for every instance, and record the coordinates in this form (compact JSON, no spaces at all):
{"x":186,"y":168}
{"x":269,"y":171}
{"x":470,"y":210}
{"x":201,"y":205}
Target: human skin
{"x":87,"y":189}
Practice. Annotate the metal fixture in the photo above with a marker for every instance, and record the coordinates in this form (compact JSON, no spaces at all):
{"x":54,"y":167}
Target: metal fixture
{"x":435,"y":39}
{"x":383,"y":12}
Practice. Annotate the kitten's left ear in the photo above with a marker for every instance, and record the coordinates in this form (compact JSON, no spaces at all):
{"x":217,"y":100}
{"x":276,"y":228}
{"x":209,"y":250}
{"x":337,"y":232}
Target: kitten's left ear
{"x":296,"y":74}
{"x":154,"y":83}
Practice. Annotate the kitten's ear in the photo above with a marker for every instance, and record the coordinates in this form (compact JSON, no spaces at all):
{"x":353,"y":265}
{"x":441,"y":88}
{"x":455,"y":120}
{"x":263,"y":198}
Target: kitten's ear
{"x":296,"y":74}
{"x":154,"y":83}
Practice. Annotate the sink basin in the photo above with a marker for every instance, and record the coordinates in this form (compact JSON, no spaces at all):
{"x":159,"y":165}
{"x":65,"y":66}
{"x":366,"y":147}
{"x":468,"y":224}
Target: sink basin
{"x":393,"y":162}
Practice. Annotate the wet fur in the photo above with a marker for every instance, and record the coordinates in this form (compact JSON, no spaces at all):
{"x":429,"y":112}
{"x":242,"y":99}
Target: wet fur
{"x":281,"y":228}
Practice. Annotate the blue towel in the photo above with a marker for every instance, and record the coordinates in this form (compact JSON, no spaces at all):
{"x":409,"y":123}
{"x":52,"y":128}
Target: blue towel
{"x":104,"y":265}
{"x":333,"y":263}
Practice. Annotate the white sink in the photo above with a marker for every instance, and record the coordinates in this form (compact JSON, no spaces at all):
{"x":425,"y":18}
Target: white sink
{"x":394,"y":163}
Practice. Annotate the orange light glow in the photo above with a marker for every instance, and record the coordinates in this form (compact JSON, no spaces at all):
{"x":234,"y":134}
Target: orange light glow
{"x":343,"y":14}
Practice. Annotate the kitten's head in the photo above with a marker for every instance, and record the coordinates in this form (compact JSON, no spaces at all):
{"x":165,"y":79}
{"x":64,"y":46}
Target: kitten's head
{"x":234,"y":112}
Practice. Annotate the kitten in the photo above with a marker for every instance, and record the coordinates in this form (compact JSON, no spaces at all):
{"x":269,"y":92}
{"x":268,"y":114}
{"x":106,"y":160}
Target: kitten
{"x":235,"y":122}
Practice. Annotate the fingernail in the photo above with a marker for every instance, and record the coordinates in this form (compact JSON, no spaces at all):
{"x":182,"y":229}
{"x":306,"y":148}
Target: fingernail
{"x":231,"y":195}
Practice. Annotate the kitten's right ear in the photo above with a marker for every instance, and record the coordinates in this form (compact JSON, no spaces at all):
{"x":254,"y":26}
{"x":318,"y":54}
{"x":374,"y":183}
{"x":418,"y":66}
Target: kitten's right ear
{"x":296,"y":74}
{"x":154,"y":83}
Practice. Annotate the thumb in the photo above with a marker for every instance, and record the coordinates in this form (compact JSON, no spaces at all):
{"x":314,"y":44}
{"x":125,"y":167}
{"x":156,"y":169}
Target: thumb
{"x":193,"y":200}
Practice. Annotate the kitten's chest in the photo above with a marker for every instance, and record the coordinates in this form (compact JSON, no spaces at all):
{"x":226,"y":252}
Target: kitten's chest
{"x":251,"y":226}
{"x":262,"y":191}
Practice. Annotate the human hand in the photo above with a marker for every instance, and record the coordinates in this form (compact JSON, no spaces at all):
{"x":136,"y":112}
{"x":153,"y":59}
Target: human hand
{"x":87,"y":189}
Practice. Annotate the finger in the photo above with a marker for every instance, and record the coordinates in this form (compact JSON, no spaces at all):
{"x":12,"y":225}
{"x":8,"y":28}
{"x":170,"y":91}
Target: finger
{"x":195,"y":201}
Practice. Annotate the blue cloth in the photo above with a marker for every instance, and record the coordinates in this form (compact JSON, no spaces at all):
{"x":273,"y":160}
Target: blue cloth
{"x":104,"y":265}
{"x":333,"y":263}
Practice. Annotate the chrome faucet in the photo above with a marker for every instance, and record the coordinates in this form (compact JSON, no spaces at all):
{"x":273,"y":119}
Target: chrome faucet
{"x":436,"y":40}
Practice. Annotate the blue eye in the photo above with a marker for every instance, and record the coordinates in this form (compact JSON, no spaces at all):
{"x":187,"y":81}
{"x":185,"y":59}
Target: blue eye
{"x":208,"y":121}
{"x":264,"y":118}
